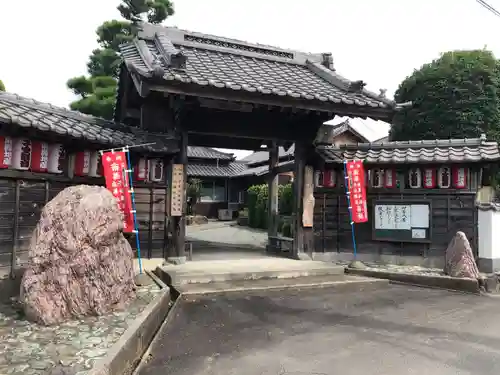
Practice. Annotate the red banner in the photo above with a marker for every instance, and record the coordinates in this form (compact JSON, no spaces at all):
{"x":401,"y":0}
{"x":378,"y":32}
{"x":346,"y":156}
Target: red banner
{"x":114,"y":165}
{"x":357,"y":191}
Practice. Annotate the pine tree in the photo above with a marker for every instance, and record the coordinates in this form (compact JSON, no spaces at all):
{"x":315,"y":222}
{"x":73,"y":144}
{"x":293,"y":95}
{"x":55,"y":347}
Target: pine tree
{"x":97,"y":91}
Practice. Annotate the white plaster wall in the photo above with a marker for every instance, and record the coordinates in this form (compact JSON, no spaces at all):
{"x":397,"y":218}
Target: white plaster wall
{"x":489,"y":234}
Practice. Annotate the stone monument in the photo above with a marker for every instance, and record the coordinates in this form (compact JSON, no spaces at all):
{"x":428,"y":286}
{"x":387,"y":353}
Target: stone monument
{"x":459,"y":259}
{"x":80,"y":263}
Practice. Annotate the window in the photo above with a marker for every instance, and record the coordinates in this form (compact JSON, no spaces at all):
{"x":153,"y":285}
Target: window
{"x":213,"y":191}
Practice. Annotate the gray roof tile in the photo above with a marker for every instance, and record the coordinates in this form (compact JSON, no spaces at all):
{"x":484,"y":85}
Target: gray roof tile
{"x":212,"y":170}
{"x":261,"y":170}
{"x":29,"y":113}
{"x":236,"y":65}
{"x":437,"y":151}
{"x":208,"y":153}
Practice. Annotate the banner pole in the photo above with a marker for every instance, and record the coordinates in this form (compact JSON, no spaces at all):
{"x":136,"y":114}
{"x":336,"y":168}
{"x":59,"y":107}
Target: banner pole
{"x":134,"y":212}
{"x":349,"y":207}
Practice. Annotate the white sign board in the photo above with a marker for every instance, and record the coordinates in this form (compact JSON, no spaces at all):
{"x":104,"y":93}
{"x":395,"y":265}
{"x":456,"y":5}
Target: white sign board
{"x":402,"y":217}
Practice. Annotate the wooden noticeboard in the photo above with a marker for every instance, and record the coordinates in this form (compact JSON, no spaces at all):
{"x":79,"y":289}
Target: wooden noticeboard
{"x":402,"y":221}
{"x":177,"y":199}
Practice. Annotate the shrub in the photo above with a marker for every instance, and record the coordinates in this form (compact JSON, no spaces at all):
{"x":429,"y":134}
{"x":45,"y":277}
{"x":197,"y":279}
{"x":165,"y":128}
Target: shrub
{"x":258,"y":203}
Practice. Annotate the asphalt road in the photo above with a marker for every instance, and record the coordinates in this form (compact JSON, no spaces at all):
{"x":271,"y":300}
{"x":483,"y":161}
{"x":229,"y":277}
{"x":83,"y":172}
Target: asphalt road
{"x":396,"y":330}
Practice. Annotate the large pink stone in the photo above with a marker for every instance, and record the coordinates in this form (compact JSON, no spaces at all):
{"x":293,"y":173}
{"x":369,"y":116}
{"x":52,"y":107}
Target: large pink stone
{"x":80,"y":264}
{"x":459,"y":259}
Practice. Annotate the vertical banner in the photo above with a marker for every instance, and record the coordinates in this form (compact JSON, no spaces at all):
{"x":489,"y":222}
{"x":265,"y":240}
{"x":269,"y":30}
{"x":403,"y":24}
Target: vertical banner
{"x":114,"y":165}
{"x":357,"y":191}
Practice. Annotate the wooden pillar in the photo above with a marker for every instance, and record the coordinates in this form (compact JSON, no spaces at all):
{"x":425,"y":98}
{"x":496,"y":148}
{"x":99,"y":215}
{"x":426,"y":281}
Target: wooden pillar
{"x":272,"y":221}
{"x":298,"y":193}
{"x":179,"y":222}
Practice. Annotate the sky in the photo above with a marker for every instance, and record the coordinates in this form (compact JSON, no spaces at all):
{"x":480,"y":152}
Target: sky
{"x":44,"y":43}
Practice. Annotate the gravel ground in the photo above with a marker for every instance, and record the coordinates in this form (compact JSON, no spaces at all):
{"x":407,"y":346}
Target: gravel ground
{"x":31,"y":349}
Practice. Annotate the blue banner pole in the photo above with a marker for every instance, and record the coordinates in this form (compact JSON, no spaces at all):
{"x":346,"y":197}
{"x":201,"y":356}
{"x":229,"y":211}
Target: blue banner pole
{"x":349,"y":206}
{"x":134,"y":212}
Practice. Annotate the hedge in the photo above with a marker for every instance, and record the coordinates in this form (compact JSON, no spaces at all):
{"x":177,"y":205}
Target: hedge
{"x":258,"y":204}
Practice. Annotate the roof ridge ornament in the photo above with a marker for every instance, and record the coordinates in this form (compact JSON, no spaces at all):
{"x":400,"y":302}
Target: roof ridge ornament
{"x":382,"y":93}
{"x":356,"y":86}
{"x":169,"y":54}
{"x":327,"y":61}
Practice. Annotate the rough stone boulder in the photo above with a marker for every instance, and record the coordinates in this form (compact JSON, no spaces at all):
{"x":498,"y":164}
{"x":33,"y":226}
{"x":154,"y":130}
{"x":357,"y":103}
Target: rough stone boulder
{"x":459,"y":259}
{"x":80,"y":263}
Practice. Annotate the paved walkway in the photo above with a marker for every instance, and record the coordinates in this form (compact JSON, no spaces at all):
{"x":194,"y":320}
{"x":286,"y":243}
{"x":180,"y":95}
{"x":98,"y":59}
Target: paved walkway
{"x":392,"y":331}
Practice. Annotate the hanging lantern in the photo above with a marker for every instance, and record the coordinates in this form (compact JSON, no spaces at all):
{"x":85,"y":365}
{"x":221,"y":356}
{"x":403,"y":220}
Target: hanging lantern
{"x":39,"y":156}
{"x":21,"y":154}
{"x":318,"y":179}
{"x":156,"y":170}
{"x":6,"y":149}
{"x":56,"y":159}
{"x":459,"y":177}
{"x":95,"y":167}
{"x":81,"y":163}
{"x":329,"y":178}
{"x":429,"y":178}
{"x":390,"y":178}
{"x":444,"y":177}
{"x":377,"y":177}
{"x":415,"y":178}
{"x":141,"y":170}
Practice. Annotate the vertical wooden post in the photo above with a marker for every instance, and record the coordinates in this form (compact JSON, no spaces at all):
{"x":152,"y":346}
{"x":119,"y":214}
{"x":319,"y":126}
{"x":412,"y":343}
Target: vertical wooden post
{"x":15,"y":229}
{"x":298,"y":192}
{"x":179,"y":222}
{"x":272,"y":222}
{"x":150,"y":223}
{"x":166,"y":218}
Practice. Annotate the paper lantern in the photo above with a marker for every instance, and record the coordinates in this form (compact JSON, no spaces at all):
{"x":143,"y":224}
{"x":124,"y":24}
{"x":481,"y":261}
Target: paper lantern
{"x":415,"y":178}
{"x":57,"y":157}
{"x":39,"y":156}
{"x":6,"y":148}
{"x":21,"y":154}
{"x":377,"y":177}
{"x":429,"y":178}
{"x":95,"y":168}
{"x":444,"y":177}
{"x":156,"y":170}
{"x":329,"y":178}
{"x":389,"y":178}
{"x":459,"y":177}
{"x":141,"y":170}
{"x":81,"y":163}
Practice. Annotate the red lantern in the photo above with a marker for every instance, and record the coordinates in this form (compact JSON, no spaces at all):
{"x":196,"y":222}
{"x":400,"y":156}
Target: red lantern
{"x":82,"y":163}
{"x":57,"y":156}
{"x":95,"y":168}
{"x":39,"y":156}
{"x":377,"y":177}
{"x":329,"y":178}
{"x":444,"y":177}
{"x":141,"y":170}
{"x":21,"y":154}
{"x":6,"y":148}
{"x":459,"y":177}
{"x":429,"y":178}
{"x":389,"y":178}
{"x":156,"y":170}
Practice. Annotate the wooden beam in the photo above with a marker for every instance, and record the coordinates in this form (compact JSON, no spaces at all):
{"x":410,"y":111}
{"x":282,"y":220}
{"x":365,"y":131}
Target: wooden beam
{"x":272,"y":223}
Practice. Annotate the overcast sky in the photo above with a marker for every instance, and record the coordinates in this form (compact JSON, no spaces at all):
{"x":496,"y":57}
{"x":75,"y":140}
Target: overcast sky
{"x":43,"y":43}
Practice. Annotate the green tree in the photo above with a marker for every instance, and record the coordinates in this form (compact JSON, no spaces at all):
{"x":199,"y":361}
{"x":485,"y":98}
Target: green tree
{"x":2,"y":86}
{"x":454,"y":96}
{"x":97,"y":91}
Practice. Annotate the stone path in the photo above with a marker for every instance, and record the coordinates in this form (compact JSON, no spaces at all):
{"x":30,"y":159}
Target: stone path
{"x":400,"y":268}
{"x":71,"y":348}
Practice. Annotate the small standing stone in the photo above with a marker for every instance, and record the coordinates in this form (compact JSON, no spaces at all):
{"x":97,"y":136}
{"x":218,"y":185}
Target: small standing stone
{"x":459,"y":259}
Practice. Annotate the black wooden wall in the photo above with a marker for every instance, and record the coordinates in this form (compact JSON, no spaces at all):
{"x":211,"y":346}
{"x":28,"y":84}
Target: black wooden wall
{"x":451,"y":212}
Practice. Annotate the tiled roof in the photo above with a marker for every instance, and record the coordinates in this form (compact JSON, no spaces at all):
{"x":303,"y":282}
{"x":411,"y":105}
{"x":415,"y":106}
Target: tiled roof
{"x":208,"y":153}
{"x":212,"y":170}
{"x":176,"y":56}
{"x":263,"y":156}
{"x":437,"y":151}
{"x":29,"y":113}
{"x":262,"y":170}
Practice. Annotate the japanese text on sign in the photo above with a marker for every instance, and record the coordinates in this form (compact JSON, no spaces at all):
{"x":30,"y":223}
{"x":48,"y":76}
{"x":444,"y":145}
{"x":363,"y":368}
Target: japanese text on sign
{"x":357,"y":191}
{"x":117,"y":181}
{"x":177,"y":190}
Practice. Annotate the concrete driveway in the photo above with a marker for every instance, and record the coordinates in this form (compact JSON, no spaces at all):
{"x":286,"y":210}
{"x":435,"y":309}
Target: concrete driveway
{"x":392,"y":331}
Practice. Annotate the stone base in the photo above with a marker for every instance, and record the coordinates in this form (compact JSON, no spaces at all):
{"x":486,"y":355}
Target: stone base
{"x":143,"y":279}
{"x":176,"y":260}
{"x":488,"y":265}
{"x":356,"y":264}
{"x":402,"y":260}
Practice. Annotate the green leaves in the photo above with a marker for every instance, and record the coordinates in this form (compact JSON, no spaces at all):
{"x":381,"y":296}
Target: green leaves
{"x":2,"y":86}
{"x":97,"y":93}
{"x":454,"y":96}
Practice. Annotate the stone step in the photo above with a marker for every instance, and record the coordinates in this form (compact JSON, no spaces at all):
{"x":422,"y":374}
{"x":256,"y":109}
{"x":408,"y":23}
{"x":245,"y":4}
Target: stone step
{"x":337,"y":283}
{"x":204,"y":272}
